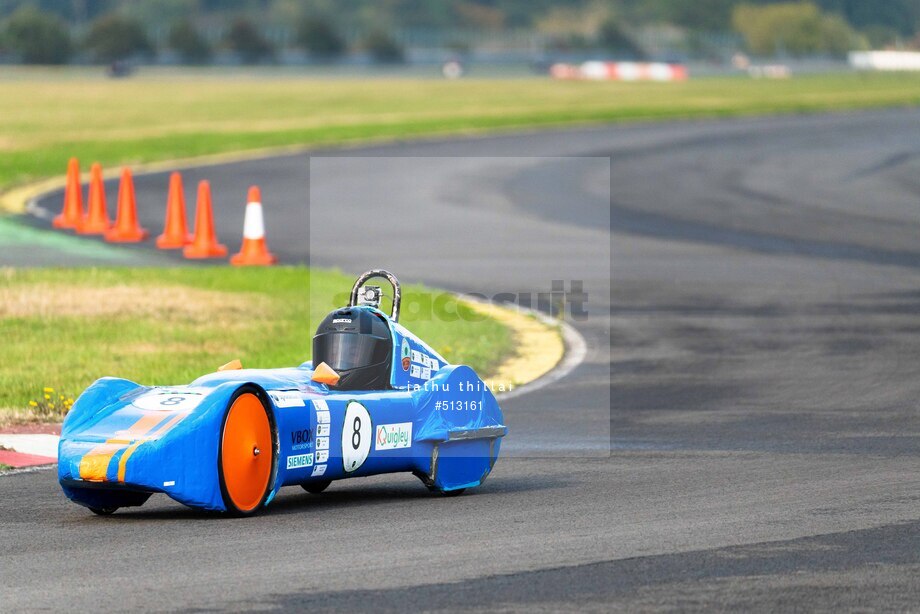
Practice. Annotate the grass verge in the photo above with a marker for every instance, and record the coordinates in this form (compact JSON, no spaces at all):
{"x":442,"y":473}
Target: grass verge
{"x":66,"y":327}
{"x":46,"y":116}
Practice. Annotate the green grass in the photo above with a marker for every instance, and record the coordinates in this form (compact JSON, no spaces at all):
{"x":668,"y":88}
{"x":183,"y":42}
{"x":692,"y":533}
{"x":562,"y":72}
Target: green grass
{"x":59,"y":328}
{"x":63,"y":328}
{"x":47,"y":116}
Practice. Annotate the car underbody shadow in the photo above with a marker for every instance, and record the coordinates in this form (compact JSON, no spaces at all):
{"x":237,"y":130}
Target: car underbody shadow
{"x":351,"y":494}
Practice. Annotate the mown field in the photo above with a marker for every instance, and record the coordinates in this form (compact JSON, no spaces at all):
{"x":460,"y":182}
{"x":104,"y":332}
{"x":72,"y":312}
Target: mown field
{"x":49,"y":115}
{"x":63,"y":328}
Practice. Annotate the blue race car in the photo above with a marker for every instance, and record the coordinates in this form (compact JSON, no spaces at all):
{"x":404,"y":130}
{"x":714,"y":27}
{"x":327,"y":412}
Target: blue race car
{"x":378,"y":400}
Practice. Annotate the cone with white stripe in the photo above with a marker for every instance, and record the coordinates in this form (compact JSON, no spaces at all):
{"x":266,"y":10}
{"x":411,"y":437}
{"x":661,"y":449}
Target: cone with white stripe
{"x":254,"y":252}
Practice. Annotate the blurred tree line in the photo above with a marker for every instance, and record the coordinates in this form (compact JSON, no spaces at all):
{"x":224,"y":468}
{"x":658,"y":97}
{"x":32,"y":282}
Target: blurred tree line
{"x":796,"y":29}
{"x":54,"y":31}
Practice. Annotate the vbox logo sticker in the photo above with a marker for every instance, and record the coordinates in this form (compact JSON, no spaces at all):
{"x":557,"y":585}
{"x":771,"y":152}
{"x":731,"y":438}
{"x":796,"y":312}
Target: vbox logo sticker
{"x":393,"y":436}
{"x":301,"y":436}
{"x":300,"y":439}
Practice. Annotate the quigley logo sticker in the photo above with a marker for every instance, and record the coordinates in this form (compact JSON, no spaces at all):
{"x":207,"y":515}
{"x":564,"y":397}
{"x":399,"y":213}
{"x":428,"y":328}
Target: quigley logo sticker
{"x":393,"y":436}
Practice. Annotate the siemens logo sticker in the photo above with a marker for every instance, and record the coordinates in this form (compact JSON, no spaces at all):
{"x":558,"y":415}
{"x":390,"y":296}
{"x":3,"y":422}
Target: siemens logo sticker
{"x":393,"y":436}
{"x":300,"y":461}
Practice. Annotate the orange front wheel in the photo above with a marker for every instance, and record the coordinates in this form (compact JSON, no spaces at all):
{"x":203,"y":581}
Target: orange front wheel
{"x":246,"y":460}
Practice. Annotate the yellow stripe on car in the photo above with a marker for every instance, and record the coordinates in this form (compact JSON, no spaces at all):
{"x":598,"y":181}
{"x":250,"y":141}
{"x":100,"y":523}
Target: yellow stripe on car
{"x":123,"y":463}
{"x":95,"y":464}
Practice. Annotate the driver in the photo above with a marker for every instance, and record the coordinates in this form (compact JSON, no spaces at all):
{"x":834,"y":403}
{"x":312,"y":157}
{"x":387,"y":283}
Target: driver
{"x":356,"y":343}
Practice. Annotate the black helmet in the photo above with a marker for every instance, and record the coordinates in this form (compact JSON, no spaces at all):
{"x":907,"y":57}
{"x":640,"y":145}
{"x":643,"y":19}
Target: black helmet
{"x":356,"y":343}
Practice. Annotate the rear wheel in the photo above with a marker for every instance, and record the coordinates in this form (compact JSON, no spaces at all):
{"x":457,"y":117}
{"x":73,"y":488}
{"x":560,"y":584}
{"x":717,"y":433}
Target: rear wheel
{"x":316,"y":487}
{"x":103,"y":511}
{"x":246,"y":460}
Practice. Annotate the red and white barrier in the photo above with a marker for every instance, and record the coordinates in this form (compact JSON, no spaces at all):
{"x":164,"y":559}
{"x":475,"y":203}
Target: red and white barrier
{"x":620,"y":71}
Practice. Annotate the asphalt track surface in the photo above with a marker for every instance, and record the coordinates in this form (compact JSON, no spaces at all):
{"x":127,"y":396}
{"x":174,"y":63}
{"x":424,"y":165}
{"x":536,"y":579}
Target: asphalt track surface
{"x":743,"y":434}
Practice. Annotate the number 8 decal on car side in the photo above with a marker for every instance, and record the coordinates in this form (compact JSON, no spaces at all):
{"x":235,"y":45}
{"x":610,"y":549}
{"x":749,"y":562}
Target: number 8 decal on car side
{"x":356,"y":436}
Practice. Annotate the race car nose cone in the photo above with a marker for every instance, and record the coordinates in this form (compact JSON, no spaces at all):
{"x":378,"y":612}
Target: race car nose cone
{"x":324,"y":374}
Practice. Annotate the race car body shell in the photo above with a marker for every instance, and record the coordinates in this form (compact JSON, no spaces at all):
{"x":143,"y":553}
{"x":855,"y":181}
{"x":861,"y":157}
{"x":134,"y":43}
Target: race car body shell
{"x":123,"y":441}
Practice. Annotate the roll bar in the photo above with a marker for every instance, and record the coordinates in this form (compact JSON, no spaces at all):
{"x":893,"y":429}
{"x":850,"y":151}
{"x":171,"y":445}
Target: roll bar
{"x":394,"y":315}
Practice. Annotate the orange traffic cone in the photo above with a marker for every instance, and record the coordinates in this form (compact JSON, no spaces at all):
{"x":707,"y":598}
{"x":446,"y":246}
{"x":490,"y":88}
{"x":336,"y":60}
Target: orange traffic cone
{"x":254,"y":252}
{"x":97,"y":218}
{"x":205,"y":244}
{"x":72,"y":214}
{"x":175,"y":232}
{"x":126,"y":228}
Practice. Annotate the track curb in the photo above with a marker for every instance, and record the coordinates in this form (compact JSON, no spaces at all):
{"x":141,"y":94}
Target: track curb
{"x":548,"y":348}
